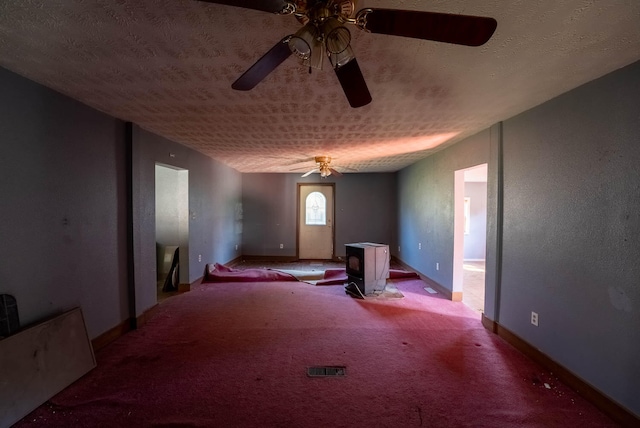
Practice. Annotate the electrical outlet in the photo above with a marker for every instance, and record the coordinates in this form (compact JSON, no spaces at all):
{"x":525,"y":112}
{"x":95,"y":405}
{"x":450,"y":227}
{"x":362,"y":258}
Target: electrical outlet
{"x":437,"y":266}
{"x":419,"y":245}
{"x":534,"y":318}
{"x":199,"y":257}
{"x":398,"y":248}
{"x":236,"y":247}
{"x":281,"y":246}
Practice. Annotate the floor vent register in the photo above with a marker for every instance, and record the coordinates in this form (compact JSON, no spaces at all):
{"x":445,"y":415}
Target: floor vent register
{"x":327,"y":371}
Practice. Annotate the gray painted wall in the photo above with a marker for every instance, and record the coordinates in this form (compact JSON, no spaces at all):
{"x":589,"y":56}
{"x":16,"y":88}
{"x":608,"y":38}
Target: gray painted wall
{"x":365,"y":211}
{"x":426,"y":206}
{"x":475,"y":245}
{"x":571,"y":220}
{"x":571,"y":225}
{"x":63,"y":210}
{"x":63,"y":219}
{"x":214,"y":198}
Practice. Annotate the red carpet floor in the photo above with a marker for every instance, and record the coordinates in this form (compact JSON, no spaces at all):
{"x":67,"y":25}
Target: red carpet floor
{"x":236,"y":355}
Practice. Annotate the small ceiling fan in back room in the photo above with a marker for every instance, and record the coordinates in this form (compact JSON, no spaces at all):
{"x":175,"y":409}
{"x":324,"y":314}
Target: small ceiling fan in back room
{"x":324,"y":35}
{"x":324,"y":168}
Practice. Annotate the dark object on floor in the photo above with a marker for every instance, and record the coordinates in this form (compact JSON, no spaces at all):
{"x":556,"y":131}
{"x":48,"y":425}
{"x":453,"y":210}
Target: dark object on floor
{"x":352,"y":290}
{"x":173,"y":278}
{"x":9,"y":321}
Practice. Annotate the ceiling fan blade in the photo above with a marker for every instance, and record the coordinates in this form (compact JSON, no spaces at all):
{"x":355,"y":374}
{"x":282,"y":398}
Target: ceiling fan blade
{"x":273,"y":6}
{"x":293,"y":162}
{"x":353,"y":84}
{"x":336,"y":173}
{"x":347,"y":168}
{"x":441,"y":27}
{"x":265,"y":65}
{"x":306,"y":174}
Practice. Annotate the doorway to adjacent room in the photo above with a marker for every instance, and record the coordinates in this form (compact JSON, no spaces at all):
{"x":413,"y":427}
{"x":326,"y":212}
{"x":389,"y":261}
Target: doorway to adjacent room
{"x":470,"y":236}
{"x":172,"y":228}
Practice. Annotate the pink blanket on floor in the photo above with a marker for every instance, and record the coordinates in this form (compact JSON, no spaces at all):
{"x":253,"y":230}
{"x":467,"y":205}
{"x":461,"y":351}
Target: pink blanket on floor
{"x":221,"y":273}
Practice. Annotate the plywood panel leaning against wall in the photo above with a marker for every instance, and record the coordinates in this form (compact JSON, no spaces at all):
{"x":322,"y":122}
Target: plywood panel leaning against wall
{"x":40,"y":361}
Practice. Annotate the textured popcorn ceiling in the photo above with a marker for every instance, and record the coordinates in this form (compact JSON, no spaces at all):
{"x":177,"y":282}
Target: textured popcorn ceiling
{"x":168,"y":66}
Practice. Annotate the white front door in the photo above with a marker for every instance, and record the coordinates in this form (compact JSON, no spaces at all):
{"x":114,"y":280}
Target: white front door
{"x":315,"y":221}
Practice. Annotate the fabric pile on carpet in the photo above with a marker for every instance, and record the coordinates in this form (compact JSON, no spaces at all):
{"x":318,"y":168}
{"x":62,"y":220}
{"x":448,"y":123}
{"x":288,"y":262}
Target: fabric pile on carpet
{"x":220,"y":273}
{"x":216,"y":272}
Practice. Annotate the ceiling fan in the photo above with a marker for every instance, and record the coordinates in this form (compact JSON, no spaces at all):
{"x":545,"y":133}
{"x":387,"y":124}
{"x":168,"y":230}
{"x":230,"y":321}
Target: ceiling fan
{"x":324,"y":35}
{"x":323,"y":167}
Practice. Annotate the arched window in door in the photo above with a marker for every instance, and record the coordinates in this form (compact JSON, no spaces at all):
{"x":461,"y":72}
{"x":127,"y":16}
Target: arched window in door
{"x":316,"y":209}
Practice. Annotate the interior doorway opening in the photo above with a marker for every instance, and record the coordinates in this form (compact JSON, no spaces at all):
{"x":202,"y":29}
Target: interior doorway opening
{"x":172,"y":229}
{"x":470,"y":236}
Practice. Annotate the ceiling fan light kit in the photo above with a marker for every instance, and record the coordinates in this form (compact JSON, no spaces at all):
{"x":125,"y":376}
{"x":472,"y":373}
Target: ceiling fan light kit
{"x":307,"y":45}
{"x":323,"y":168}
{"x":324,"y":34}
{"x":338,"y":43}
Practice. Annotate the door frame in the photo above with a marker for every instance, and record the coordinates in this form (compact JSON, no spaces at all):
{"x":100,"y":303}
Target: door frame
{"x":182,"y":221}
{"x":457,"y":288}
{"x":333,"y":215}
